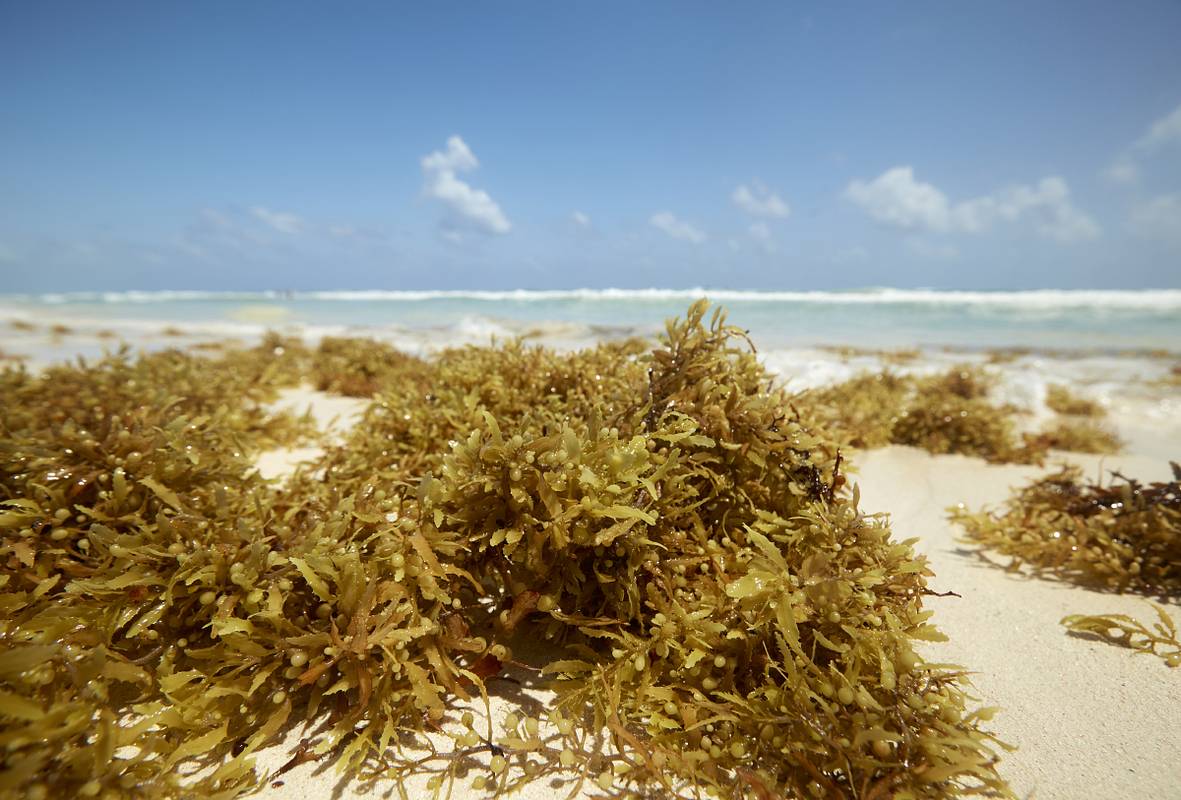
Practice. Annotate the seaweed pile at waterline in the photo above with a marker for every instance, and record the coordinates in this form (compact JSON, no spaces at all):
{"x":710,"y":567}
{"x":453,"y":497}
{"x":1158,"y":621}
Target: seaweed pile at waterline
{"x":951,"y":412}
{"x":720,"y":616}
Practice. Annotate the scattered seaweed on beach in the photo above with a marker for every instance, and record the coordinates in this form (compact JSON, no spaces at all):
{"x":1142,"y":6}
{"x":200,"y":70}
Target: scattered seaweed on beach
{"x":945,"y":413}
{"x":1125,"y":631}
{"x":1077,"y":426}
{"x":718,"y":615}
{"x":1122,"y":537}
{"x":895,"y":356}
{"x":1077,"y":435}
{"x":1062,"y":400}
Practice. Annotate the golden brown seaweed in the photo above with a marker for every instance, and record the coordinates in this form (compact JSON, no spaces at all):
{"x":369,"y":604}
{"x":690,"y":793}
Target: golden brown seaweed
{"x":1121,"y":537}
{"x":943,"y":413}
{"x":720,"y":615}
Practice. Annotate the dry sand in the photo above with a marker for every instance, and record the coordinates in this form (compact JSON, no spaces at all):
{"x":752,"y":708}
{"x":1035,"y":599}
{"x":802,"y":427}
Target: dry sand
{"x":1089,"y":720}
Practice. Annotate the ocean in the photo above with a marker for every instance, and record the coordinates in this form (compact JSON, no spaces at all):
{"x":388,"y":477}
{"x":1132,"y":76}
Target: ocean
{"x":1112,"y":346}
{"x":1092,"y":321}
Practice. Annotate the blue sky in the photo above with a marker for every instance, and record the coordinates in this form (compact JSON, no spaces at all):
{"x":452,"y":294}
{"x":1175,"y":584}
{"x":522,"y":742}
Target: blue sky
{"x":226,"y":145}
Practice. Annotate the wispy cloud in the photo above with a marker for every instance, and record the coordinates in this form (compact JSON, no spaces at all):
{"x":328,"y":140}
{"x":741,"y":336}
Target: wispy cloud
{"x":580,"y":219}
{"x":1161,"y":134}
{"x":1123,"y":170}
{"x":280,"y":221}
{"x":761,"y":233}
{"x":257,"y":233}
{"x":1164,"y":131}
{"x":757,"y":200}
{"x":668,"y":223}
{"x":469,"y":207}
{"x":896,"y":198}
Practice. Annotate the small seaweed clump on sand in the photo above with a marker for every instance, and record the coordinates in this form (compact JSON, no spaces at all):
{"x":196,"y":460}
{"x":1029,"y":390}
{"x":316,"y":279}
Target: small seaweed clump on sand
{"x":1125,"y":631}
{"x":1077,"y":427}
{"x":945,"y":413}
{"x":1122,"y":537}
{"x":721,"y":618}
{"x":1077,"y":435}
{"x":1060,"y":399}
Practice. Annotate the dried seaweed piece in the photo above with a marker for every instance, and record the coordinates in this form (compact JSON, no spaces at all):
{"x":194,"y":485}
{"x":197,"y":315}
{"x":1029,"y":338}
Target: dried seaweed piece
{"x":1125,"y":631}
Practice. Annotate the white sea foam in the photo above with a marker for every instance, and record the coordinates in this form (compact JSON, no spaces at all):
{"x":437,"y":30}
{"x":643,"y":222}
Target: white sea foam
{"x":1148,"y":300}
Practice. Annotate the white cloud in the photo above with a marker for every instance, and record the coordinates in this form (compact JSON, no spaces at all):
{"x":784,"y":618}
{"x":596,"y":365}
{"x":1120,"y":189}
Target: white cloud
{"x":580,"y":219}
{"x":277,"y":220}
{"x":1158,"y":218}
{"x":896,"y":198}
{"x":471,"y":206}
{"x":1165,"y":131}
{"x":1162,"y":133}
{"x":760,"y":201}
{"x":761,"y":233}
{"x":1122,"y":170}
{"x":1049,"y":205}
{"x":667,"y":222}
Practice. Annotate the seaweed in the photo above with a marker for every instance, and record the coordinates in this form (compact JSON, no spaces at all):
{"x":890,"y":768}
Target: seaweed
{"x":1062,"y":400}
{"x":895,"y":356}
{"x":1078,"y":435}
{"x":359,"y":367}
{"x":699,"y":586}
{"x":944,"y":413}
{"x":1125,"y":631}
{"x":1121,"y":537}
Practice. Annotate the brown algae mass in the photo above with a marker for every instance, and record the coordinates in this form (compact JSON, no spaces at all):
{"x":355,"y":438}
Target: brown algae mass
{"x":945,"y":413}
{"x":721,"y":618}
{"x":1121,"y":537}
{"x":949,"y":413}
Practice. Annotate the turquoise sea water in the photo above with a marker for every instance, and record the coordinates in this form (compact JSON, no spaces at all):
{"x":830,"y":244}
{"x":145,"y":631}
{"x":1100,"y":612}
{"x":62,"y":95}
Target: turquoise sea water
{"x":1085,"y":320}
